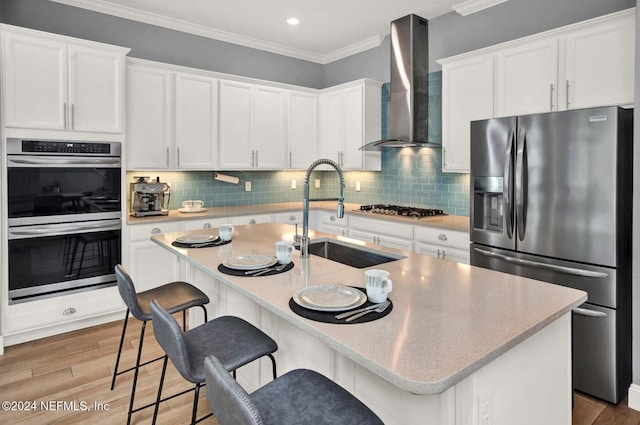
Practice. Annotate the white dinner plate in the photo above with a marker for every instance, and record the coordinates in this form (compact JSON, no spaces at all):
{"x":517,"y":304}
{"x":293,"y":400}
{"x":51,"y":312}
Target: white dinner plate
{"x":197,"y":238}
{"x":184,"y":210}
{"x":329,"y":298}
{"x":250,"y":262}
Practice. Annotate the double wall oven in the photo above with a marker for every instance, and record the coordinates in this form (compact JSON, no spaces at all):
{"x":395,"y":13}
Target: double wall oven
{"x":64,"y":216}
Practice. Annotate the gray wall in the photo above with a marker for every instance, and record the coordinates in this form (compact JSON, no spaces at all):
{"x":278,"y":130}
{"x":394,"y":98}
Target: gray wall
{"x":452,"y":34}
{"x":160,"y":44}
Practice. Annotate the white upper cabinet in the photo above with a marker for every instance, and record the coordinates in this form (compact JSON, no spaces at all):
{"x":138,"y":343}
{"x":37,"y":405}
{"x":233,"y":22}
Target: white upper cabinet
{"x":196,"y":121}
{"x":149,"y":117}
{"x":252,"y":126}
{"x":527,"y":79}
{"x":467,"y":95}
{"x":172,"y":118}
{"x":302,"y":127}
{"x":350,"y":117}
{"x":599,"y":65}
{"x":60,"y":83}
{"x":588,"y":64}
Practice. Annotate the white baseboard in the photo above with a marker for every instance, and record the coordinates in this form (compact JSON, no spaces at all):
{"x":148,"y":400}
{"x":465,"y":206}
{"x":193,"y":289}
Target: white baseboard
{"x":1,"y":345}
{"x":634,"y":397}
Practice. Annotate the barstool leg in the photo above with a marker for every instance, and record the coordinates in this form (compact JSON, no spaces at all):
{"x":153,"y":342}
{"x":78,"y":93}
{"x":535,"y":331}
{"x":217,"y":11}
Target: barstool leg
{"x":205,"y":313}
{"x":273,"y":365}
{"x":195,"y":404}
{"x":115,"y":369}
{"x":135,"y":372}
{"x":155,"y":409}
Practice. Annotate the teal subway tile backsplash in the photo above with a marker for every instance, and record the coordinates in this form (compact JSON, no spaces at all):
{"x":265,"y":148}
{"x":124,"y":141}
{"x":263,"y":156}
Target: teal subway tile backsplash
{"x":409,"y":176}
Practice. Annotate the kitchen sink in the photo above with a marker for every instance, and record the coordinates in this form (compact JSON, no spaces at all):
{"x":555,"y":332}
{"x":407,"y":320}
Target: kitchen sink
{"x":350,"y":254}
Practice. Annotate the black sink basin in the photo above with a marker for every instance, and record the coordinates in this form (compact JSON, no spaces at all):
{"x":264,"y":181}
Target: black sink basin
{"x":351,"y":255}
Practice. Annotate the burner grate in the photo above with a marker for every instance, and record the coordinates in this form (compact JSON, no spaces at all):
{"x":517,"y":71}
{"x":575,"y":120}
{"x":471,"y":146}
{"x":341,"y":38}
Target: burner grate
{"x":400,"y":210}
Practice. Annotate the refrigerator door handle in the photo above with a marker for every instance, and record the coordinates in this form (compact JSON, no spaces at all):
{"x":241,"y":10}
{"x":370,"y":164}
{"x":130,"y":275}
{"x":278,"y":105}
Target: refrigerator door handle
{"x":520,"y":183}
{"x":589,"y":313}
{"x":552,"y":267}
{"x":506,"y":191}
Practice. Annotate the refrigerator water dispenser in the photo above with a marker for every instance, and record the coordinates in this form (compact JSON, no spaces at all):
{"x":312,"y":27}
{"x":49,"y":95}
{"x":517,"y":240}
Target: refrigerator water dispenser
{"x":488,"y":203}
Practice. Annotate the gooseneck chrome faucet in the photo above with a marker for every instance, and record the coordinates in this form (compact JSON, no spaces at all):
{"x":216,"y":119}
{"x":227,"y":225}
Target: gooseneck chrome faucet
{"x":304,"y":242}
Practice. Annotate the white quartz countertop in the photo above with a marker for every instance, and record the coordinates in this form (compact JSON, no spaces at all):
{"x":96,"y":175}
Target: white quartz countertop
{"x":451,"y":222}
{"x":448,"y":321}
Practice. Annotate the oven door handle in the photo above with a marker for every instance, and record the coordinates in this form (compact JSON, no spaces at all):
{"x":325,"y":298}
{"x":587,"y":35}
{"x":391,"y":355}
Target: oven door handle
{"x":57,"y":229}
{"x":50,"y":161}
{"x":589,"y":313}
{"x":552,"y":267}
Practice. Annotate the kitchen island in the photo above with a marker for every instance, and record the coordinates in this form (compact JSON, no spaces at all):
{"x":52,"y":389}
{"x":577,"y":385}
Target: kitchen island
{"x":462,"y":345}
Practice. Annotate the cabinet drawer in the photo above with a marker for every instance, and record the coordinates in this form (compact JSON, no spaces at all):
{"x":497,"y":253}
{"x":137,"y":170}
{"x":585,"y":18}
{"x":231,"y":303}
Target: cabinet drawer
{"x":67,"y":308}
{"x":205,"y":223}
{"x":329,"y":218}
{"x":450,"y":238}
{"x":142,"y":232}
{"x":252,"y":219}
{"x":381,"y":227}
{"x":291,"y":217}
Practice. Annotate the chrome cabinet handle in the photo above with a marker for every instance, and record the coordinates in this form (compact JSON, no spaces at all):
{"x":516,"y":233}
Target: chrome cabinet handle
{"x":344,"y":232}
{"x":444,"y":156}
{"x":444,"y":254}
{"x":72,"y":115}
{"x":551,"y":97}
{"x":442,"y":237}
{"x":438,"y":253}
{"x":253,"y":161}
{"x":289,"y":159}
{"x":206,"y":226}
{"x":257,"y":158}
{"x":178,"y":157}
{"x":252,"y":221}
{"x":69,"y":311}
{"x":156,"y":230}
{"x":332,"y":218}
{"x":292,"y":217}
{"x":167,"y":157}
{"x":567,"y":94}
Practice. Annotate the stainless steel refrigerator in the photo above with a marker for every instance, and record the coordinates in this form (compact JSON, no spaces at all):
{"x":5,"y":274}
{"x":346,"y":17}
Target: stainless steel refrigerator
{"x":551,"y":200}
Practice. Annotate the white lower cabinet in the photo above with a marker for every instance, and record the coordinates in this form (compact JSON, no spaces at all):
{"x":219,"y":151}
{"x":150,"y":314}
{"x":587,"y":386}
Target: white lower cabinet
{"x":328,"y":222}
{"x":252,"y":219}
{"x":205,"y":223}
{"x":382,"y":232}
{"x":149,"y":264}
{"x":441,"y":243}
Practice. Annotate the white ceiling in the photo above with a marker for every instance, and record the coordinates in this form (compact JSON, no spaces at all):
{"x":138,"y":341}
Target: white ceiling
{"x":328,"y":29}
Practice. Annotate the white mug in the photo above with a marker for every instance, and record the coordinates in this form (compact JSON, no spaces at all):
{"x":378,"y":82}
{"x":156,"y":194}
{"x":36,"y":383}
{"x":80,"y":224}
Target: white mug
{"x":193,"y":205}
{"x":284,"y":251}
{"x":225,"y":231}
{"x":378,"y":285}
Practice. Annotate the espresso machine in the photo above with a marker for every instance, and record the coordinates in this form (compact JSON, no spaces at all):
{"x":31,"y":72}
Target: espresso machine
{"x":149,"y":198}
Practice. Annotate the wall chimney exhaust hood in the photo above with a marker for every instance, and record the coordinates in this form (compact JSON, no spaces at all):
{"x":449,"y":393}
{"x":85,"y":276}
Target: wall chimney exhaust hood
{"x":409,"y":111}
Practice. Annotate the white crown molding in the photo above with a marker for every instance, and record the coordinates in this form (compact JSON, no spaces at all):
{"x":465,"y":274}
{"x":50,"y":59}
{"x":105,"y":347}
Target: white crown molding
{"x":102,"y":6}
{"x":472,"y":6}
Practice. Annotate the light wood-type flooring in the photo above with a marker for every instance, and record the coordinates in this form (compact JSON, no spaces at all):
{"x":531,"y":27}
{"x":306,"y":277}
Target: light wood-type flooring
{"x":77,"y":366}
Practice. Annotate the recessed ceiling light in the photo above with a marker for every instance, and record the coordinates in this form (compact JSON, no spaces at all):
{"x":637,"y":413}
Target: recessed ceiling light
{"x":293,"y":21}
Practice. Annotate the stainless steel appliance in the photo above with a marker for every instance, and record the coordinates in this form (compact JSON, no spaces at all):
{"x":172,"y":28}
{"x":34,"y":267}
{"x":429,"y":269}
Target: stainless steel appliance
{"x":64,"y":216}
{"x":148,"y":198}
{"x":551,"y":200}
{"x":400,"y":210}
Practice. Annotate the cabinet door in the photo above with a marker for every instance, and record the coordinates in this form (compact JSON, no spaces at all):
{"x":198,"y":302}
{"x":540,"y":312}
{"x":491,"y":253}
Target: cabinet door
{"x":427,"y":249}
{"x":35,"y":82}
{"x":95,"y":90}
{"x":331,"y":133}
{"x":457,"y":255}
{"x":303,"y":129}
{"x":149,"y":117}
{"x":151,"y":265}
{"x":269,"y":129}
{"x":600,"y":65}
{"x":526,"y":79}
{"x":196,"y":121}
{"x":353,"y":127}
{"x":467,"y":95}
{"x":236,"y":149}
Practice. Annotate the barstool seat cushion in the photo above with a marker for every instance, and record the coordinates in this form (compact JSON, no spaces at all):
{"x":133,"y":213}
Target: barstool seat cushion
{"x":232,"y":340}
{"x":177,"y":296}
{"x":299,"y":397}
